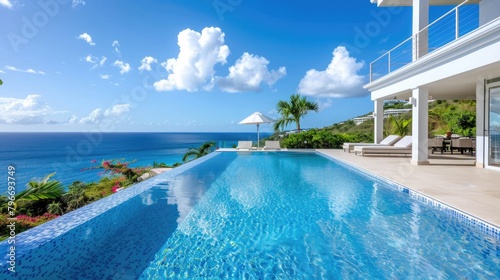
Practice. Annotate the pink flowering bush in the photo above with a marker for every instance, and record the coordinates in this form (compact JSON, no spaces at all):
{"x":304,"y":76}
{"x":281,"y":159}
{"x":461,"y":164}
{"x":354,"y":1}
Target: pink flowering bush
{"x":25,"y":222}
{"x":117,"y":167}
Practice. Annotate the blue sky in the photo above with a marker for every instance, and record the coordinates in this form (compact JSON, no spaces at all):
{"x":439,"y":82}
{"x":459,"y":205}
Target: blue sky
{"x":184,"y":65}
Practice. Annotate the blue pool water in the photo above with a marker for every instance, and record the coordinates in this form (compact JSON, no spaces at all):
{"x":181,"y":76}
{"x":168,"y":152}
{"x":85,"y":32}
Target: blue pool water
{"x":258,"y":216}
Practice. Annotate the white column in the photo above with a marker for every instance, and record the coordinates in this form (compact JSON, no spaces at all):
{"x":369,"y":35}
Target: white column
{"x":480,"y":125}
{"x":378,"y":117}
{"x":420,"y":20}
{"x":420,"y":152}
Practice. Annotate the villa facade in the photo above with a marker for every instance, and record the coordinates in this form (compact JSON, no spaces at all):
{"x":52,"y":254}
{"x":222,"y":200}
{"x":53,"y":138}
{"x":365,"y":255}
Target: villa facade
{"x":387,"y":113}
{"x":456,"y":57}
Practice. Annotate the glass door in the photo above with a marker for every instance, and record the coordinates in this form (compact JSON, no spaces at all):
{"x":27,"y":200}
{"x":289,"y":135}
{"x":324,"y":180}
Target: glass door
{"x":494,"y":127}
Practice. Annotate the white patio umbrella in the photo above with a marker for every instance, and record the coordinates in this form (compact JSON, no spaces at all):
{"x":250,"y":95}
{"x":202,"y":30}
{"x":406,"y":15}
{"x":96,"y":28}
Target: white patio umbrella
{"x":257,"y":118}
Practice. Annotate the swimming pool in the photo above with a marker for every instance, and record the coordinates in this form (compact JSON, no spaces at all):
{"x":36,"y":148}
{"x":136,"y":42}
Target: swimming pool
{"x":284,"y":215}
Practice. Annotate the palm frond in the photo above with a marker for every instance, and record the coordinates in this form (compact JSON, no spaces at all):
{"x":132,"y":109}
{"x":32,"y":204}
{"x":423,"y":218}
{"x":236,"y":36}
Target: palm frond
{"x":292,"y":111}
{"x":44,"y":189}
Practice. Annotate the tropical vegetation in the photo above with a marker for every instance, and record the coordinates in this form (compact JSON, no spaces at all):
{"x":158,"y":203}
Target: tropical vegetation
{"x":47,"y":199}
{"x":194,"y":153}
{"x":292,"y":111}
{"x":399,"y":126}
{"x":456,"y":116}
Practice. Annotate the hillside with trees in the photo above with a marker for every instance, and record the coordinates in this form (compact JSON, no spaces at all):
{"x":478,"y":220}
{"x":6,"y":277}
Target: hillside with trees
{"x":455,"y":116}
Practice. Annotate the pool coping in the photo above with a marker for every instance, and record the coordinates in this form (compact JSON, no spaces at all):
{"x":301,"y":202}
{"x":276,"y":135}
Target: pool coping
{"x":35,"y":237}
{"x":469,"y":219}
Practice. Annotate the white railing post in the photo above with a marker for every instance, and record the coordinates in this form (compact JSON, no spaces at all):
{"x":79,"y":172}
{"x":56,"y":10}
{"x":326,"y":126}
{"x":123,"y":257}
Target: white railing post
{"x":371,"y":66}
{"x":416,"y":50}
{"x":389,"y":62}
{"x":415,"y":47}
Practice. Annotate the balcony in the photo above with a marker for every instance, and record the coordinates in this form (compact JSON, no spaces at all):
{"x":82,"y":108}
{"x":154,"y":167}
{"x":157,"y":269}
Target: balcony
{"x":448,"y":28}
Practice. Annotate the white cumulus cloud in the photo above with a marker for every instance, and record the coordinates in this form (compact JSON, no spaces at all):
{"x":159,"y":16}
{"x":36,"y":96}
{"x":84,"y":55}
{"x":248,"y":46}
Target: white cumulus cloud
{"x":146,"y":63}
{"x":105,"y":77}
{"x":98,"y":115}
{"x":124,"y":67}
{"x":86,"y":37}
{"x":194,"y":65}
{"x":117,"y":110}
{"x":323,"y":104}
{"x":102,"y":61}
{"x":94,"y":117}
{"x":29,"y":70}
{"x":76,"y":3}
{"x":95,"y":61}
{"x":29,"y":110}
{"x":115,"y":45}
{"x":6,"y":3}
{"x":248,"y":73}
{"x":91,"y":59}
{"x":340,"y":79}
{"x":73,"y":119}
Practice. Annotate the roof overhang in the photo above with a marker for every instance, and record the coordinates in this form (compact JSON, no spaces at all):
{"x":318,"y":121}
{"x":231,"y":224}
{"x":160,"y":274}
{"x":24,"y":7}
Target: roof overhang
{"x":390,"y":3}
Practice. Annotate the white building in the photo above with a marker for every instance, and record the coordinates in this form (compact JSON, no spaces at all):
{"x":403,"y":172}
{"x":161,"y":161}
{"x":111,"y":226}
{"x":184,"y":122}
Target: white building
{"x":387,"y":113}
{"x":455,"y":57}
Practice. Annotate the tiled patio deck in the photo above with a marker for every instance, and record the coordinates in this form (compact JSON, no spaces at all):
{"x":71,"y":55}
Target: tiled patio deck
{"x":453,"y":180}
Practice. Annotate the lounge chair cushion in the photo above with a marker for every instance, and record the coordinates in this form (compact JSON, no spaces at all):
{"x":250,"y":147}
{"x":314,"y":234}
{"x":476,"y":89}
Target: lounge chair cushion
{"x":272,"y":145}
{"x":245,"y":145}
{"x":403,"y":146}
{"x":388,"y":141}
{"x":405,"y":142}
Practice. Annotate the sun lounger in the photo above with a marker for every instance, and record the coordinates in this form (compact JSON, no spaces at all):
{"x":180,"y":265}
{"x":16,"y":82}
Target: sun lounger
{"x":403,"y":146}
{"x":272,"y":145}
{"x":388,"y":141}
{"x":244,"y":145}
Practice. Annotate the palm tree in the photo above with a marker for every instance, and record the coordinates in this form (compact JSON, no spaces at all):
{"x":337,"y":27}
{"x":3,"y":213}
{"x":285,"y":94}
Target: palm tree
{"x":194,"y":153}
{"x":293,"y":111}
{"x":40,"y":190}
{"x":75,"y":197}
{"x":400,"y":127}
{"x":55,"y":208}
{"x":1,"y":83}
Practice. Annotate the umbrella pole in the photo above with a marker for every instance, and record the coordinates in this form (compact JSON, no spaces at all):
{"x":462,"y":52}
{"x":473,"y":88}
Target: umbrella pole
{"x":258,"y":136}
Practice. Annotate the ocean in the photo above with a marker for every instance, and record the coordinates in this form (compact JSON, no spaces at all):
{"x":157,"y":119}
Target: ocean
{"x":35,"y":155}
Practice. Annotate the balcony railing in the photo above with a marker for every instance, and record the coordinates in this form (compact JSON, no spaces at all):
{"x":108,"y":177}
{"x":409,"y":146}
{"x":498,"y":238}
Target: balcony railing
{"x":454,"y":24}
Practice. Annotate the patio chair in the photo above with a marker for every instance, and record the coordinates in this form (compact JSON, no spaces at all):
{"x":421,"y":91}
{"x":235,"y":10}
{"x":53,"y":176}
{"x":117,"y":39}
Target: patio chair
{"x":463,"y":144}
{"x":388,"y":141}
{"x":403,"y":146}
{"x":272,"y":145}
{"x":244,"y":145}
{"x":436,"y":144}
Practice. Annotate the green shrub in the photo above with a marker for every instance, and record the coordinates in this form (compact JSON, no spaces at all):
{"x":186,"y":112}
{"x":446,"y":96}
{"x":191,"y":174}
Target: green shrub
{"x":321,"y":139}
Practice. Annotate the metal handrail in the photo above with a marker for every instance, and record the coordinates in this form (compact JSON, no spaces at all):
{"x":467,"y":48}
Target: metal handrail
{"x":415,"y":37}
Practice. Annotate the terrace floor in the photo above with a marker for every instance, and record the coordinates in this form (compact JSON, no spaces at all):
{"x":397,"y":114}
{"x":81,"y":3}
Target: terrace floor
{"x":450,"y":179}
